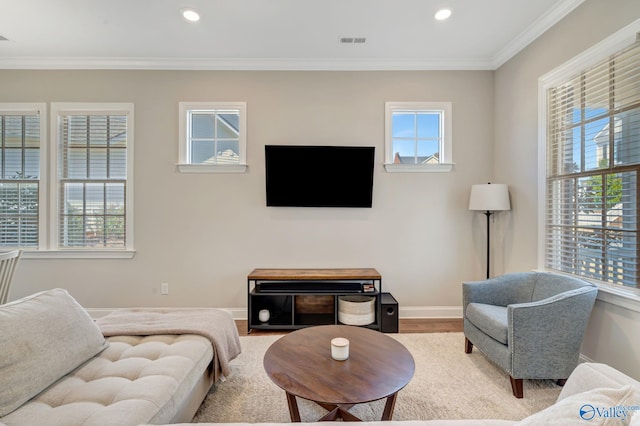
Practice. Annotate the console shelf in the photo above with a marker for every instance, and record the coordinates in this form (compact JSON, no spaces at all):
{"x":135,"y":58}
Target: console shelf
{"x":297,"y":298}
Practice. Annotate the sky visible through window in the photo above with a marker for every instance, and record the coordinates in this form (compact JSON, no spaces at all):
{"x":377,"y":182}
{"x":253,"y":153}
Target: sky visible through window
{"x":416,"y":133}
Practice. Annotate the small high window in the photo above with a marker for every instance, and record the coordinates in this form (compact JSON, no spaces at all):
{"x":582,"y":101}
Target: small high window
{"x":418,"y":136}
{"x":212,"y":137}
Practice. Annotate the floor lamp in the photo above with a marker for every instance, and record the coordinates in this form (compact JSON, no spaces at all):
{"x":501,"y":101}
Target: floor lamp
{"x":489,"y":198}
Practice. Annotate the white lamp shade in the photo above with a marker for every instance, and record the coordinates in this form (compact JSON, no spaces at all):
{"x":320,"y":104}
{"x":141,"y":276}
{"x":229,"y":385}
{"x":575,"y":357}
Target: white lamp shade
{"x":489,"y":197}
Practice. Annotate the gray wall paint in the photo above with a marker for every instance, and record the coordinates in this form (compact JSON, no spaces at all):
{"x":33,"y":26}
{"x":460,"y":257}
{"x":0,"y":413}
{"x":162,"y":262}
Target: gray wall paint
{"x":203,"y":233}
{"x":612,"y":333}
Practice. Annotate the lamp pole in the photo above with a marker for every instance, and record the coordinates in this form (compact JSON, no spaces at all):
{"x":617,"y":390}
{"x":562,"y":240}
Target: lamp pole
{"x":488,"y":214}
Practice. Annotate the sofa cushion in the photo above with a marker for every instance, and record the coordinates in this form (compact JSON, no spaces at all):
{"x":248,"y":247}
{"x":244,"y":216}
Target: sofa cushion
{"x":591,"y":375}
{"x":42,"y":337}
{"x":601,"y":406}
{"x":492,"y":320}
{"x":136,"y":380}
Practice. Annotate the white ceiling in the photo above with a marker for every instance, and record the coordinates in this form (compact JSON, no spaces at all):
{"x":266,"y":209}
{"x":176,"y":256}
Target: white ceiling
{"x":270,"y":34}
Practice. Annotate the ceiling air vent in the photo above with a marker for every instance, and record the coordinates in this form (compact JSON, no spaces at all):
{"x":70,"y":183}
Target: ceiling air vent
{"x":352,"y":40}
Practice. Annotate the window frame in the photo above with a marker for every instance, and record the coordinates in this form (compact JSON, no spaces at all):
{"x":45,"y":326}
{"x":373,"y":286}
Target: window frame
{"x":59,"y":109}
{"x":39,"y":108}
{"x":624,"y":296}
{"x":184,"y":165}
{"x":445,"y":163}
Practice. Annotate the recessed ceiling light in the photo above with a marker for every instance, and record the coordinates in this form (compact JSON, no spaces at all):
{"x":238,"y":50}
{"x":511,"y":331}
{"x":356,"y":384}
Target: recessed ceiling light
{"x":190,"y":15}
{"x":443,"y":14}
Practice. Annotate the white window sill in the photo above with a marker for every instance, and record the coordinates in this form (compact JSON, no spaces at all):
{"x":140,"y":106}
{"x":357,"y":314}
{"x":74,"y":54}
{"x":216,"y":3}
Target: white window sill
{"x":419,"y":168}
{"x":78,"y":254}
{"x":212,"y":168}
{"x":623,"y":297}
{"x":618,"y":295}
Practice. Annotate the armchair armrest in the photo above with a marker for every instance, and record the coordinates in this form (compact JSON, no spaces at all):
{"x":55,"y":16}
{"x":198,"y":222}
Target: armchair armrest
{"x":547,"y":334}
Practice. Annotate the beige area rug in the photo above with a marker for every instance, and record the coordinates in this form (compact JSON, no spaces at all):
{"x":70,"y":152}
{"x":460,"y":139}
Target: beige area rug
{"x":448,"y":384}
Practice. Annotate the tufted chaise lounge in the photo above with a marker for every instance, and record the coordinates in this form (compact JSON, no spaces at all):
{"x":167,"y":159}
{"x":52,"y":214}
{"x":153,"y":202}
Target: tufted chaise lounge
{"x":58,"y":369}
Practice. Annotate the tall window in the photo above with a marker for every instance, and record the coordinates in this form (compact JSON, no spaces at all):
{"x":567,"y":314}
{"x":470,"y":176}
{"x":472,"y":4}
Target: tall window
{"x":20,"y":178}
{"x":212,"y":136}
{"x":93,"y":160}
{"x":418,"y":136}
{"x":593,"y":163}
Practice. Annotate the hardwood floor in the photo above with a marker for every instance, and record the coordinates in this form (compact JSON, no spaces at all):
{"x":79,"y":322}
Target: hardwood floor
{"x":429,"y":325}
{"x":413,"y":325}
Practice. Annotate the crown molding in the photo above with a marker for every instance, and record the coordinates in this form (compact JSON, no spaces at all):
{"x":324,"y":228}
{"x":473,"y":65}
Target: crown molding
{"x":535,"y":30}
{"x":242,"y":64}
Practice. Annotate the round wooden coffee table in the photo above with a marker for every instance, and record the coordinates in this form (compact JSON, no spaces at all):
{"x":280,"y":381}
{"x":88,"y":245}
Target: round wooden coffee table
{"x":300,"y":363}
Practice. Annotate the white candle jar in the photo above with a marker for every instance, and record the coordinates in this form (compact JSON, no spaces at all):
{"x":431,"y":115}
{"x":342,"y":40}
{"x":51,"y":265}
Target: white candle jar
{"x":339,"y":348}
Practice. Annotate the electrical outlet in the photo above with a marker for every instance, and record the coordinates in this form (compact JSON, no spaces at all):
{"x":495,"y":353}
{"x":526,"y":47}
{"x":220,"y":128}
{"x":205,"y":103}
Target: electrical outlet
{"x":164,"y":288}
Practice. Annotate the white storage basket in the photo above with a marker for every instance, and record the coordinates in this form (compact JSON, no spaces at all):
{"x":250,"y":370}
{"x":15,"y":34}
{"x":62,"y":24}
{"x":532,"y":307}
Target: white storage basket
{"x":357,"y":310}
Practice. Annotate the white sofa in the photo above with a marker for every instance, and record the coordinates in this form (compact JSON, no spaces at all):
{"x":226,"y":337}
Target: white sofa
{"x":57,"y":368}
{"x":598,"y":392}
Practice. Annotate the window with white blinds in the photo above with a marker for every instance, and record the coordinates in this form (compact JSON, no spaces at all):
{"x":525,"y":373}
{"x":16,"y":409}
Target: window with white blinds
{"x":94,"y":148}
{"x":593,"y":163}
{"x":20,"y":180}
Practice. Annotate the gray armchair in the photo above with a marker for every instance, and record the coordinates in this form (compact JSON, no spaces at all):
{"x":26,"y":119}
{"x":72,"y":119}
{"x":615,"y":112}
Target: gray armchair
{"x":530,"y":324}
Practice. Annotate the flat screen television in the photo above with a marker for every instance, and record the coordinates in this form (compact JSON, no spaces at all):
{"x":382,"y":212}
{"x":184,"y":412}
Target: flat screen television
{"x":319,"y":176}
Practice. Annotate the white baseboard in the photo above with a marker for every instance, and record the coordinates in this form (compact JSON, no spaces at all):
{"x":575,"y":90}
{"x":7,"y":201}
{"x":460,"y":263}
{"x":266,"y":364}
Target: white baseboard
{"x":422,"y":312}
{"x":430,"y":312}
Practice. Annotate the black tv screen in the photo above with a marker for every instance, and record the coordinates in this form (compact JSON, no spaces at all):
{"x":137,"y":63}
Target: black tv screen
{"x":319,"y":176}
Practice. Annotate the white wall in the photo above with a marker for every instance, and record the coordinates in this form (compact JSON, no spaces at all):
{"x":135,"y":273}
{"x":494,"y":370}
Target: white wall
{"x":613,"y":330}
{"x":204,"y":233}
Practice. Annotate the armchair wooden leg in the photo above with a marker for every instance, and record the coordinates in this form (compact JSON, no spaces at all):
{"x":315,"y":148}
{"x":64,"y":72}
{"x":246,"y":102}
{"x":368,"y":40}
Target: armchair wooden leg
{"x":468,"y":346}
{"x":561,"y":382}
{"x":516,"y":387}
